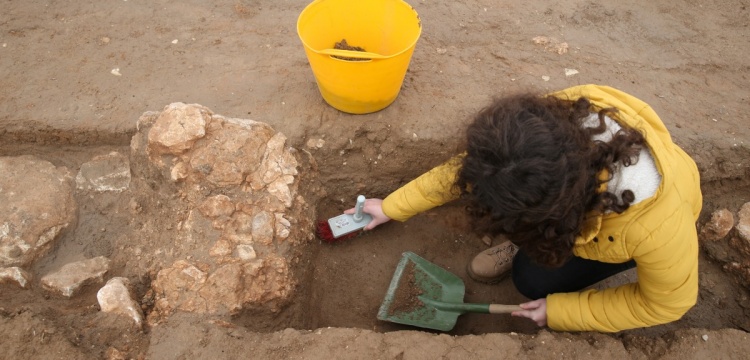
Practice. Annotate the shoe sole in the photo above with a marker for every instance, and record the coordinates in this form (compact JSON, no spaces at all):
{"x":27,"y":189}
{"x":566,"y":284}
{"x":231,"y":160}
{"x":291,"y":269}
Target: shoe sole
{"x":485,"y":280}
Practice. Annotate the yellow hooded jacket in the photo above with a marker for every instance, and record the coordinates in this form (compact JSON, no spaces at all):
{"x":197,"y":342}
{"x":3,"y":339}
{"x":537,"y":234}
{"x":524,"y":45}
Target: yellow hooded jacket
{"x":658,"y":233}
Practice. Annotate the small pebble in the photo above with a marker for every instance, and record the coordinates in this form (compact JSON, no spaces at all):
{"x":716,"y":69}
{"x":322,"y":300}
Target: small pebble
{"x":174,"y":41}
{"x":545,"y":78}
{"x":315,"y":143}
{"x":704,"y":337}
{"x":116,"y":72}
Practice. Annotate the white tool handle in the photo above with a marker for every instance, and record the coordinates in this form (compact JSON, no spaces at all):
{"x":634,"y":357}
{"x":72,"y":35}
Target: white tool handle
{"x":359,"y":208}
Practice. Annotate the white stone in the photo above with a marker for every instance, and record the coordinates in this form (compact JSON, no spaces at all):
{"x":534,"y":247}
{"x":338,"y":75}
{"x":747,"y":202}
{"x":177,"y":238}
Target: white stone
{"x":215,"y":206}
{"x":743,"y":224}
{"x":230,"y":154}
{"x":196,"y":274}
{"x":241,"y":238}
{"x":280,"y":189}
{"x":71,"y":277}
{"x":278,"y":160}
{"x":263,"y":227}
{"x":282,"y":226}
{"x":246,"y":252}
{"x":221,"y":248}
{"x":115,"y":297}
{"x":109,"y":172}
{"x":177,"y":128}
{"x":315,"y":143}
{"x":15,"y":275}
{"x":179,"y":171}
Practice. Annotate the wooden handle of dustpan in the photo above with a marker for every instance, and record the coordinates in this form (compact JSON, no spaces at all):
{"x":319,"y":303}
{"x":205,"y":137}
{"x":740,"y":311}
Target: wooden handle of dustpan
{"x":503,"y":309}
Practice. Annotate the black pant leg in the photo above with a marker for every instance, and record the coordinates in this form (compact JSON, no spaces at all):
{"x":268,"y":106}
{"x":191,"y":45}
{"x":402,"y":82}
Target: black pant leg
{"x":535,"y":281}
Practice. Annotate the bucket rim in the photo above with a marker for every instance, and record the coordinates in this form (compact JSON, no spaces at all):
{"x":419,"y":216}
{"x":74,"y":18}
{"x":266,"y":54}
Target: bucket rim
{"x":379,"y":57}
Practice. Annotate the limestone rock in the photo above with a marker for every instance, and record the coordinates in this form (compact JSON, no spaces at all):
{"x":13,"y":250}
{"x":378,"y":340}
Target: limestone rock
{"x":278,"y":162}
{"x":221,"y":248}
{"x":184,"y":287}
{"x":719,"y":226}
{"x":282,"y":226}
{"x":743,"y":225}
{"x":179,"y":171}
{"x":71,"y":277}
{"x":739,"y":266}
{"x":176,"y":287}
{"x":263,"y":227}
{"x":177,"y":128}
{"x":115,"y":297}
{"x":15,"y":275}
{"x":741,"y":240}
{"x":280,"y":189}
{"x":315,"y":143}
{"x":109,"y":172}
{"x":216,"y":206}
{"x":36,"y":205}
{"x":267,"y":282}
{"x":278,"y":167}
{"x":228,"y":158}
{"x":246,"y":252}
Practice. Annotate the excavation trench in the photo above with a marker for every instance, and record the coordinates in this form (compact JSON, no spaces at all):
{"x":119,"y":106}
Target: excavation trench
{"x":339,"y":284}
{"x":348,"y":279}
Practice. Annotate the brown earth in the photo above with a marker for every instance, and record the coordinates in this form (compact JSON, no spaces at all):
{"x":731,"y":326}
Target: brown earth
{"x":60,"y":100}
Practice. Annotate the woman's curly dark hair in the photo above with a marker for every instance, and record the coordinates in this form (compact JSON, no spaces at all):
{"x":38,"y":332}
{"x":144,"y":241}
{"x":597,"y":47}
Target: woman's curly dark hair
{"x":531,"y":172}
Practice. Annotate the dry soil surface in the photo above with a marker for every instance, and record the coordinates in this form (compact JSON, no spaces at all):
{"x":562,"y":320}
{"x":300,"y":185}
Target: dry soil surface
{"x":75,"y":77}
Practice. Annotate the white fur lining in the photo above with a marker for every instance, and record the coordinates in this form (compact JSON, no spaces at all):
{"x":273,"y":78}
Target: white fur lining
{"x":642,"y":178}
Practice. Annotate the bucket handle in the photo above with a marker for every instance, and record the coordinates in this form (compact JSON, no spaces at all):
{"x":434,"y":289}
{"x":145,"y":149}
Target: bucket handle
{"x":351,"y":54}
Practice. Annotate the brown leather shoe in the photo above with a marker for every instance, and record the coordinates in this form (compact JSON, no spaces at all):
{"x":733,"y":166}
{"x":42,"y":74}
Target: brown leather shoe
{"x":494,"y":264}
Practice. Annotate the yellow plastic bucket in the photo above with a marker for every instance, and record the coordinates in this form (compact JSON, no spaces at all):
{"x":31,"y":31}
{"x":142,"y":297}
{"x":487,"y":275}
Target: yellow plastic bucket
{"x":388,"y":30}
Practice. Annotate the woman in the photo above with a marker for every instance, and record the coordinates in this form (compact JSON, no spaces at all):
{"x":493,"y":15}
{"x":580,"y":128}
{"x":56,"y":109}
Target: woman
{"x":586,"y":183}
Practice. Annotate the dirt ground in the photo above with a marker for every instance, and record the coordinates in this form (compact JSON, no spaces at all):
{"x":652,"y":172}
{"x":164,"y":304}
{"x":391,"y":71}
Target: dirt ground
{"x":75,"y":77}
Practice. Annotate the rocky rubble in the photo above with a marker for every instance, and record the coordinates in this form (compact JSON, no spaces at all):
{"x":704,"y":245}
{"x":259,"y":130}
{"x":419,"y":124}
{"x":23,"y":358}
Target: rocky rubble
{"x":229,"y":189}
{"x":238,"y":183}
{"x":728,"y":242}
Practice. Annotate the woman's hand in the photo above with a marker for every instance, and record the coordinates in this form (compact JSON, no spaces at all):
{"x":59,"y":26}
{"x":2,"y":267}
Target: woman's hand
{"x":374,"y":207}
{"x":535,"y":310}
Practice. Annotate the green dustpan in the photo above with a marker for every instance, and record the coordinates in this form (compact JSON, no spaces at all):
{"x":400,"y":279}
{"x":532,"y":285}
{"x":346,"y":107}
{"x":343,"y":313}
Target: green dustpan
{"x":425,"y":295}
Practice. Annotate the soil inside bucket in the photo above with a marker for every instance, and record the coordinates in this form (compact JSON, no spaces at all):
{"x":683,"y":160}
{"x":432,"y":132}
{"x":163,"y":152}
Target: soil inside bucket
{"x":343,"y":45}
